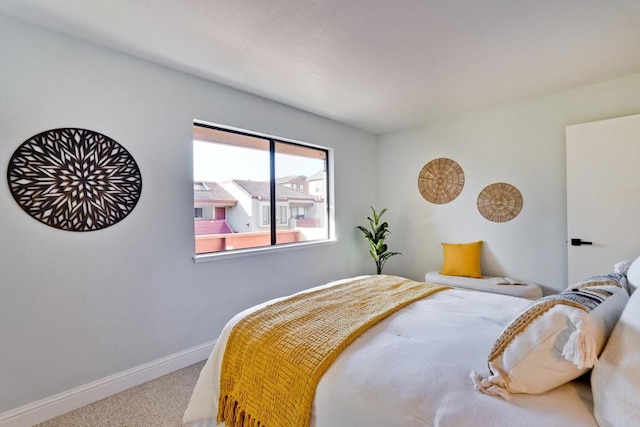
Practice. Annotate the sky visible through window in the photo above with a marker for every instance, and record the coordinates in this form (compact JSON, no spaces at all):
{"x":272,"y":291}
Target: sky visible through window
{"x":211,"y":163}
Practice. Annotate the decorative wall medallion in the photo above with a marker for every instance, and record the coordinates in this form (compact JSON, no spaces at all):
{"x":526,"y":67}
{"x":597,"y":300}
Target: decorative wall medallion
{"x":441,"y":180}
{"x":500,"y":202}
{"x":74,"y":179}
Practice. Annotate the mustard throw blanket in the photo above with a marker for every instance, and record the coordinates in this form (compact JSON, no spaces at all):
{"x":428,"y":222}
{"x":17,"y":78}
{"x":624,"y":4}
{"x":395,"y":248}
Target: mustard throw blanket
{"x":276,"y":356}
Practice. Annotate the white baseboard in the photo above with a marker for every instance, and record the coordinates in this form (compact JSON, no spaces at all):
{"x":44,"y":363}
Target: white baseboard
{"x":61,"y":403}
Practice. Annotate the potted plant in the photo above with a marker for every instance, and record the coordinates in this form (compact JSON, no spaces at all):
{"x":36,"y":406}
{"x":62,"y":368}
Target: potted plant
{"x":375,"y":236}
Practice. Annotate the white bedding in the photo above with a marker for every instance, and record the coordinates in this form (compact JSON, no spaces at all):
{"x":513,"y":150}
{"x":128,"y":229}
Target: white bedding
{"x":412,"y":369}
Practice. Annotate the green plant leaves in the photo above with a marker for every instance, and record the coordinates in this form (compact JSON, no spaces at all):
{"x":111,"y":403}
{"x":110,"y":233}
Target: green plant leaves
{"x":376,"y":236}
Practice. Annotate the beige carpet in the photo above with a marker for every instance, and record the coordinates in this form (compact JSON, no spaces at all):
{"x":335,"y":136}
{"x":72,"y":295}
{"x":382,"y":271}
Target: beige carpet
{"x":158,"y":403}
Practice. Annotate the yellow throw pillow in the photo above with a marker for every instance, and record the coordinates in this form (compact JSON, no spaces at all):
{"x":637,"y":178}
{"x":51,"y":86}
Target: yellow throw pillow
{"x":462,"y":259}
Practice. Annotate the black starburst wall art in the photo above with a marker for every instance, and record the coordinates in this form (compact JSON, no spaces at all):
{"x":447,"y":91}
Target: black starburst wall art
{"x":74,"y":179}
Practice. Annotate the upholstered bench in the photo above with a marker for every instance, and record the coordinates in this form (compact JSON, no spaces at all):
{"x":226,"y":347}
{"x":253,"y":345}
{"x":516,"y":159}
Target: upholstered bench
{"x":496,"y":285}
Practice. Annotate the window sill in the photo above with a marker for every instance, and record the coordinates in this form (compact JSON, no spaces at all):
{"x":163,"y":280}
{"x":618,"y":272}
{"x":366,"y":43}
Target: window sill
{"x":239,"y":253}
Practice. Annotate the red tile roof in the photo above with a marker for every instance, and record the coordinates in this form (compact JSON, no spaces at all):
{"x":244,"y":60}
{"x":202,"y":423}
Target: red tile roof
{"x":260,"y":190}
{"x":291,"y":178}
{"x":316,"y":176}
{"x":212,"y":192}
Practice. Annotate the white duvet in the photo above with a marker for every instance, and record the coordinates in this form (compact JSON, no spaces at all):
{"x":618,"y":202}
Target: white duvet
{"x":412,"y":369}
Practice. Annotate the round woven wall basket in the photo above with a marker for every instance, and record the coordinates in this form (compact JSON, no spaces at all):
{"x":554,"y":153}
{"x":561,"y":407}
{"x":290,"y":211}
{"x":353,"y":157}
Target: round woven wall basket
{"x":441,"y":180}
{"x":500,"y":202}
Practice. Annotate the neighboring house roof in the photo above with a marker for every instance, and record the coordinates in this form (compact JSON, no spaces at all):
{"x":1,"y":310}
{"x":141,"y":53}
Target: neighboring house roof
{"x":211,"y":226}
{"x":212,"y":192}
{"x":260,"y":190}
{"x":291,"y":178}
{"x":316,"y":176}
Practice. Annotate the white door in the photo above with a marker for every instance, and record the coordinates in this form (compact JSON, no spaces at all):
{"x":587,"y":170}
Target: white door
{"x":603,"y":195}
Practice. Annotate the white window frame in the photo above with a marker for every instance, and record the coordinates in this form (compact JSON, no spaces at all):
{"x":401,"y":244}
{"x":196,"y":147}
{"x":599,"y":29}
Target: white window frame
{"x":329,"y":200}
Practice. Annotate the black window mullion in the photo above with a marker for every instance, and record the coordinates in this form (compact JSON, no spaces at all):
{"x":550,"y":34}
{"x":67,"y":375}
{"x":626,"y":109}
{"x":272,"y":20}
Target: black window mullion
{"x":272,"y":189}
{"x":326,"y":193}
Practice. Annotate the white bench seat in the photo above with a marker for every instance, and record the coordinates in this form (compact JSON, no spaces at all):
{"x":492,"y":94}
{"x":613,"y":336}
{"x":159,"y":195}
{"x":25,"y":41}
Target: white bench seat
{"x":496,"y":285}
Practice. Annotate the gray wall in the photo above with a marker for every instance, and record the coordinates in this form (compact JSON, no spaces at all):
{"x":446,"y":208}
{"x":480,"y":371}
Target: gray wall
{"x":522,"y":144}
{"x":76,"y":307}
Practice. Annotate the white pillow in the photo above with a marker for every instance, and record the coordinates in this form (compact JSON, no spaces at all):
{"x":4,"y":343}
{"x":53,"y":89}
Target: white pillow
{"x":633,"y":275}
{"x":556,"y":339}
{"x":615,"y":380}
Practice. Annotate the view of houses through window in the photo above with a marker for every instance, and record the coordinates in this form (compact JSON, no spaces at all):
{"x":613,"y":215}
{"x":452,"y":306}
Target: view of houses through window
{"x":236,"y":176}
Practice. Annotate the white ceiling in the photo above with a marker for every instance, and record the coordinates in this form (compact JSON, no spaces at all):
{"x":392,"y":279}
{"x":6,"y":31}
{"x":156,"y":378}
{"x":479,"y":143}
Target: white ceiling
{"x":379,"y":65}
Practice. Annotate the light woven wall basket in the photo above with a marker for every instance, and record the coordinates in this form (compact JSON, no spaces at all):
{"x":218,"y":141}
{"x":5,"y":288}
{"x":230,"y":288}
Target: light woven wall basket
{"x":500,"y":202}
{"x":441,"y":180}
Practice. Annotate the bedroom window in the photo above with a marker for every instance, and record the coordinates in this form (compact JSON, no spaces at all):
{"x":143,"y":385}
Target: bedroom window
{"x":272,"y":191}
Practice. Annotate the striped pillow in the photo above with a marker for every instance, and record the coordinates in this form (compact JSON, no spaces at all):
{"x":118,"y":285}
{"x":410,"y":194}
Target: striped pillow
{"x":556,"y":339}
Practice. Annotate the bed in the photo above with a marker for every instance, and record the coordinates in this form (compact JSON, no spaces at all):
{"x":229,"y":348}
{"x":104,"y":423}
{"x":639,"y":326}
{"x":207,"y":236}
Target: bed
{"x":413,"y":369}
